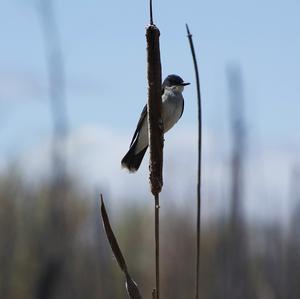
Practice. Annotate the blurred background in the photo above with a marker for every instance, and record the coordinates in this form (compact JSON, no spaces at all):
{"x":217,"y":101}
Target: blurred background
{"x":72,"y":86}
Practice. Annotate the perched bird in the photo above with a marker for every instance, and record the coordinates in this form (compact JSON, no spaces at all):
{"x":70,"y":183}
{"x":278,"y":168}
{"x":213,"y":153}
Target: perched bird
{"x":172,"y":109}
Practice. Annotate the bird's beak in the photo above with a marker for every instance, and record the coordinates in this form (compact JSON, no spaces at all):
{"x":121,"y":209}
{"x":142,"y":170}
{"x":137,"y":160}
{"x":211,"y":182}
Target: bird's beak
{"x":185,"y":83}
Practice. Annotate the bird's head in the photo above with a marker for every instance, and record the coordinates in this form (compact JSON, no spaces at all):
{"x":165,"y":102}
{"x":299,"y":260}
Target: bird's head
{"x":174,"y":83}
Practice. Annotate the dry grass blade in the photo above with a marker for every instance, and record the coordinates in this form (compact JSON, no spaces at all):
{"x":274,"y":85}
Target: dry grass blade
{"x":132,"y":288}
{"x":199,"y":163}
{"x":131,"y":285}
{"x":112,"y":239}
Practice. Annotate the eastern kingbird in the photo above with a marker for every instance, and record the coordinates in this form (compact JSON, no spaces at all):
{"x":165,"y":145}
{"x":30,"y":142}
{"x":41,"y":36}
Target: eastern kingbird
{"x":172,"y":109}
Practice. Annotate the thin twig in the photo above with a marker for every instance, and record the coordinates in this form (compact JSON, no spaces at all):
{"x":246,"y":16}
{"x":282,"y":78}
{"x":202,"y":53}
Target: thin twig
{"x":199,"y":163}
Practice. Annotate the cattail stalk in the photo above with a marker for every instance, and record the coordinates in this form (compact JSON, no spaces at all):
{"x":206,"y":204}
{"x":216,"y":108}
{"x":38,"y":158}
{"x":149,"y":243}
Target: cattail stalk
{"x":155,"y":126}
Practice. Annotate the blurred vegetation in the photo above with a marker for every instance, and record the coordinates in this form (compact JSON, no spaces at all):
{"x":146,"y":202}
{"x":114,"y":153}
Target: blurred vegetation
{"x":52,"y":245}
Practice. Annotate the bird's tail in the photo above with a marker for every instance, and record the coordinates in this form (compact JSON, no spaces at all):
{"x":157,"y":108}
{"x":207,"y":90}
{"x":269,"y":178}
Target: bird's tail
{"x":131,"y":160}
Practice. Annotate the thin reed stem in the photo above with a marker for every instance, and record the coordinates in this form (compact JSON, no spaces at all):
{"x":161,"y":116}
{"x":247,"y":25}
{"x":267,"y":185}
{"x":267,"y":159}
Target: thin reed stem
{"x":157,"y":291}
{"x":151,"y":12}
{"x":199,"y":165}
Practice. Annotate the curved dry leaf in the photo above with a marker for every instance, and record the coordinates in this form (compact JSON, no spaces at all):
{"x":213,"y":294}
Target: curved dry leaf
{"x":131,"y":285}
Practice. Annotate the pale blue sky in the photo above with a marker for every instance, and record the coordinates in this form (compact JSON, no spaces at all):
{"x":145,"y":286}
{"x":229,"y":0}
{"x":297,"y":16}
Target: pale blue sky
{"x":104,"y":49}
{"x":105,"y":61}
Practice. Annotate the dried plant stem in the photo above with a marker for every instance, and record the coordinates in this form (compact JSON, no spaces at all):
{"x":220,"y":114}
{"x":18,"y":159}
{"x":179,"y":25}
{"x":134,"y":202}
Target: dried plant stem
{"x":155,"y":132}
{"x":199,"y":164}
{"x":155,"y":127}
{"x":157,"y":245}
{"x":151,"y":13}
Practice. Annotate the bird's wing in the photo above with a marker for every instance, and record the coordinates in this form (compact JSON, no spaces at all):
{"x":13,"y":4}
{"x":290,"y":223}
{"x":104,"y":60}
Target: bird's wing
{"x":139,"y":125}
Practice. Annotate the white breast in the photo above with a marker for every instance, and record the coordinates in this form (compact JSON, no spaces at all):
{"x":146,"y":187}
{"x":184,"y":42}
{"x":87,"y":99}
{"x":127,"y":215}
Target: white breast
{"x":171,"y":108}
{"x":172,"y":103}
